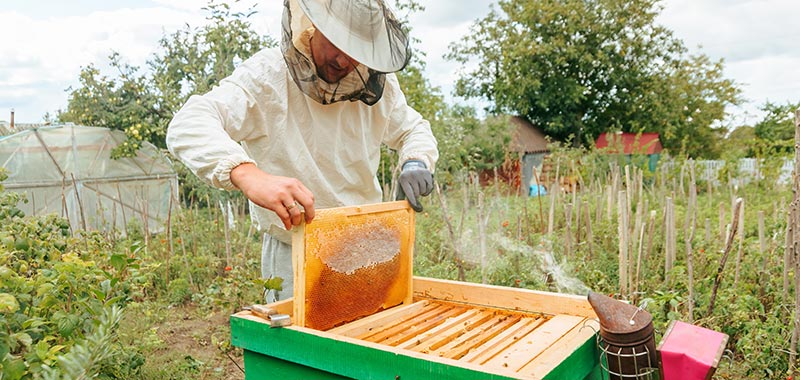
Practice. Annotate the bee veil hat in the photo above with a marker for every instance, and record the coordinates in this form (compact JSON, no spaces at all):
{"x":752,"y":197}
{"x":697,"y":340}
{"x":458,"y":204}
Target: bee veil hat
{"x":365,"y":30}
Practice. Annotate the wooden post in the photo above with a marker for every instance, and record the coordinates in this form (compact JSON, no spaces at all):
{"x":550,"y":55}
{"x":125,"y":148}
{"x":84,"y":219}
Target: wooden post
{"x":651,"y":228}
{"x":578,"y":221}
{"x":763,"y":277}
{"x":589,"y":236}
{"x":788,"y":253}
{"x":482,"y":236}
{"x":169,"y":234}
{"x":740,"y":231}
{"x":629,"y":192}
{"x":622,"y":230}
{"x":552,"y":213}
{"x":454,"y":242}
{"x":669,"y":238}
{"x":793,"y":224}
{"x":568,"y":231}
{"x":637,"y":225}
{"x":722,"y":227}
{"x":728,"y":245}
{"x":539,"y":196}
{"x":691,"y":211}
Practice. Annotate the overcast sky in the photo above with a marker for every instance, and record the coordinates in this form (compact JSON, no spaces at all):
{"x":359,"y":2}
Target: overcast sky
{"x":44,"y":44}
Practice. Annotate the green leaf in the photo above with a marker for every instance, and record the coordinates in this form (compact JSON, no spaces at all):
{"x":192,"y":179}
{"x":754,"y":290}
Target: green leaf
{"x":275,"y":283}
{"x":42,"y":348}
{"x":118,"y":262}
{"x":23,"y":338}
{"x":67,"y":324}
{"x":8,"y":303}
{"x":14,"y":370}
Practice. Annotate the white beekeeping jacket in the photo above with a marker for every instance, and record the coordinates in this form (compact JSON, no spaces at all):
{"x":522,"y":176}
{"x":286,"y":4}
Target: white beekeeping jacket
{"x":259,"y":115}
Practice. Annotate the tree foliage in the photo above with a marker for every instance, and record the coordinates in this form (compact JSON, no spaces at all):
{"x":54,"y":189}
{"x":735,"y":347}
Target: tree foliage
{"x":775,"y":132}
{"x":465,"y":141}
{"x":142,"y":102}
{"x":579,"y":68}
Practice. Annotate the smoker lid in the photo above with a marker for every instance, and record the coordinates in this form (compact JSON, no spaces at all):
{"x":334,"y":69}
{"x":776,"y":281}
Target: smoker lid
{"x":621,"y":322}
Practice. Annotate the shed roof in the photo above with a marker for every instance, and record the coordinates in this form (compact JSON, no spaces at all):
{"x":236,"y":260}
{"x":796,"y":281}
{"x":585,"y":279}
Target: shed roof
{"x":526,"y":137}
{"x":638,"y":143}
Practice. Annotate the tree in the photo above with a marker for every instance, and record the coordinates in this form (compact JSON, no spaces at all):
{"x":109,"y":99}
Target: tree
{"x":739,"y":143}
{"x":191,"y":61}
{"x":775,"y":132}
{"x":578,"y":68}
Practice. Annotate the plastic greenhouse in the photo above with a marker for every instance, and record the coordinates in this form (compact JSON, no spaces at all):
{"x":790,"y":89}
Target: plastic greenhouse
{"x":68,"y":170}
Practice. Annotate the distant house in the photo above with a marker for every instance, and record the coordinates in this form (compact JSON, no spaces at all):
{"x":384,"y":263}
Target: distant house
{"x":527,"y":149}
{"x":531,"y":144}
{"x":632,"y":144}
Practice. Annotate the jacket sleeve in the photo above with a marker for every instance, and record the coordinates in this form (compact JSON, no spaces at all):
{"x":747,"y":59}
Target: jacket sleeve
{"x":408,"y":133}
{"x":205,"y":133}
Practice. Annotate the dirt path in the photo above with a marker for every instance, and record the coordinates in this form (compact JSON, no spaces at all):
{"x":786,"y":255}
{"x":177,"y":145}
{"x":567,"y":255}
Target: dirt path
{"x":197,"y":345}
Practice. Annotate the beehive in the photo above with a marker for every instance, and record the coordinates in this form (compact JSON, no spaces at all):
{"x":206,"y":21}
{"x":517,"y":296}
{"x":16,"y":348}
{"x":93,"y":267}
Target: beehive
{"x":452,"y":330}
{"x":358,"y":313}
{"x":351,"y":262}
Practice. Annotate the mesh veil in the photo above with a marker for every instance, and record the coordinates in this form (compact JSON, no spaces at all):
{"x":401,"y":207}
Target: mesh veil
{"x":363,"y":84}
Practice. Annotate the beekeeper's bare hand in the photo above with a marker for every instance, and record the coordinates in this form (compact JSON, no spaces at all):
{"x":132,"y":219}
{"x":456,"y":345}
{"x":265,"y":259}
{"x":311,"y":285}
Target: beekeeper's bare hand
{"x":286,"y":197}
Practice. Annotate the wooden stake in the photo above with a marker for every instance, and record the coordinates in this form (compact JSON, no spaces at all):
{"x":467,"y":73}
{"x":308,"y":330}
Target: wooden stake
{"x":722,"y":224}
{"x":725,"y":253}
{"x":651,"y":228}
{"x":793,"y":223}
{"x":568,"y":231}
{"x":689,"y":236}
{"x":623,"y":233}
{"x":787,"y":256}
{"x":762,"y":248}
{"x":539,"y":196}
{"x":578,"y":222}
{"x":169,"y":233}
{"x":80,"y":203}
{"x":482,"y":236}
{"x":226,"y":214}
{"x":741,"y":244}
{"x":552,"y":213}
{"x":669,"y":238}
{"x":453,"y":240}
{"x":589,"y":237}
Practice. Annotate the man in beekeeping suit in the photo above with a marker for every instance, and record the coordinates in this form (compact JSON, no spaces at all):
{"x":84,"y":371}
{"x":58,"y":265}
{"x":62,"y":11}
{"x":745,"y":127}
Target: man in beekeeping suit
{"x":300,"y":127}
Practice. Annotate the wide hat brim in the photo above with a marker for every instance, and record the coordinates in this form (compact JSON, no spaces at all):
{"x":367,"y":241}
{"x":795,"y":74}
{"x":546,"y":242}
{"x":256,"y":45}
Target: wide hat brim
{"x":365,"y":30}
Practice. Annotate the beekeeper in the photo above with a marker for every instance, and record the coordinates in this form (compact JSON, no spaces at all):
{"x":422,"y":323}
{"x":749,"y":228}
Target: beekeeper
{"x":300,"y":127}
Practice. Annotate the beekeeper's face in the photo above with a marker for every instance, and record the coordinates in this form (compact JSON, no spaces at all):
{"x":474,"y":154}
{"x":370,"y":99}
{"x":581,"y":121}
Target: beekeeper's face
{"x":332,"y":64}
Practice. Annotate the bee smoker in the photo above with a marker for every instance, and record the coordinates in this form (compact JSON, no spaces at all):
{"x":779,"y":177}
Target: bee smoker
{"x":626,"y":339}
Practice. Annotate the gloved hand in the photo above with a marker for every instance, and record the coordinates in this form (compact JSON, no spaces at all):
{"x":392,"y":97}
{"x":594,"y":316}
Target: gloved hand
{"x":415,"y":181}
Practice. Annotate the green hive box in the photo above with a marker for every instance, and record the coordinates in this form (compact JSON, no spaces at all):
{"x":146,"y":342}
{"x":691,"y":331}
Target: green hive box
{"x":451,"y":330}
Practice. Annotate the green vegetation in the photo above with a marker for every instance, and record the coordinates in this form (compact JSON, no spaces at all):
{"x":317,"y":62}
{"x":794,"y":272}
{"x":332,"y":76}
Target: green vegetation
{"x":77,"y":304}
{"x":191,"y":62}
{"x":579,"y":68}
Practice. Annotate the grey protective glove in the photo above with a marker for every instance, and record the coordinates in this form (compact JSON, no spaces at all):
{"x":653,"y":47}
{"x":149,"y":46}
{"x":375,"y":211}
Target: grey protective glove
{"x":415,"y":181}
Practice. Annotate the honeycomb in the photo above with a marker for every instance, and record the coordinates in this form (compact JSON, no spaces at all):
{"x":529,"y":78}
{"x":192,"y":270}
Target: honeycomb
{"x":355,"y":265}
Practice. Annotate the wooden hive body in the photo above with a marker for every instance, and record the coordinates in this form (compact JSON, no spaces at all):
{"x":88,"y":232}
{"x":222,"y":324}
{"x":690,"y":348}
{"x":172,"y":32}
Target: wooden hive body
{"x":370,"y":319}
{"x":451,"y":330}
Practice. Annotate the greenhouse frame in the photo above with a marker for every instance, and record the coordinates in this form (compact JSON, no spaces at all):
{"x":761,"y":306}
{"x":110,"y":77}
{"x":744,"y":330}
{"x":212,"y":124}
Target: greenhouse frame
{"x":68,"y":170}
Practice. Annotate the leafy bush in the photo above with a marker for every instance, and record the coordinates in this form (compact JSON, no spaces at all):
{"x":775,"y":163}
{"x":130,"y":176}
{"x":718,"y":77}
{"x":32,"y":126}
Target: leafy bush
{"x":55,"y":289}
